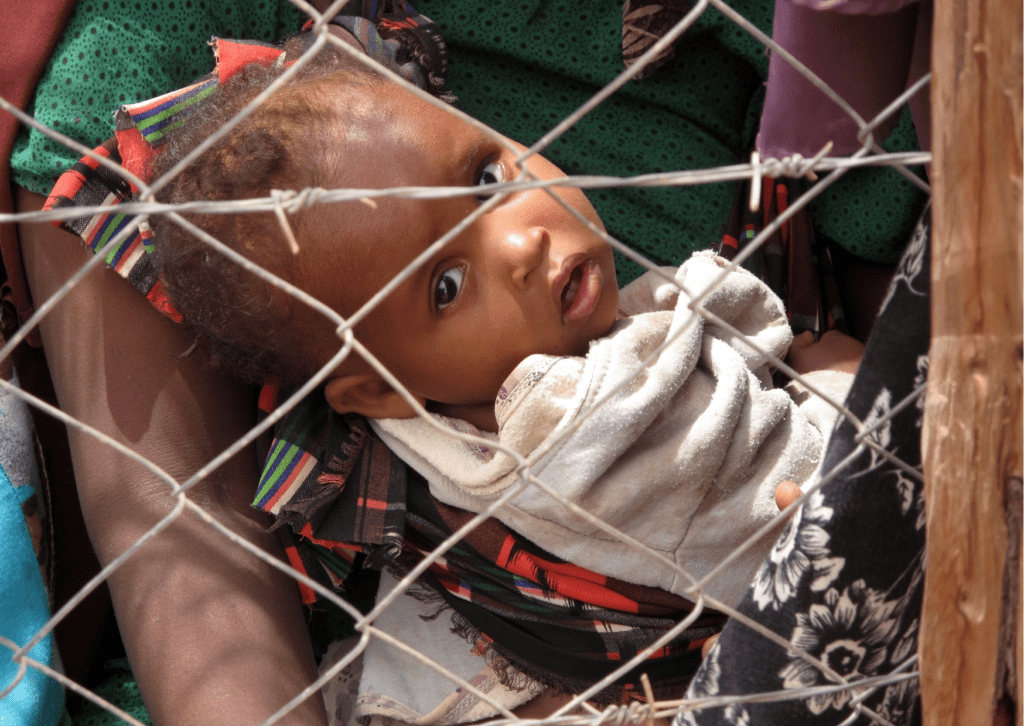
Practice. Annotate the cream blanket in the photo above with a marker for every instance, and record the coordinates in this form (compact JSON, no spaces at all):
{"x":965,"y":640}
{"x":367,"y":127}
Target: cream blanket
{"x":683,"y":456}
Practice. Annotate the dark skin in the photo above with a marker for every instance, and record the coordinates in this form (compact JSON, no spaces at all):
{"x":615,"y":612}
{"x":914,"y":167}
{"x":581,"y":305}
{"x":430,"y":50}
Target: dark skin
{"x":215,"y":636}
{"x":834,"y":352}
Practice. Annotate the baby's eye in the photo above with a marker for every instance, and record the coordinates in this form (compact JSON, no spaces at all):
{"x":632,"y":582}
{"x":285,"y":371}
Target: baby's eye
{"x":447,"y":287}
{"x":492,"y":173}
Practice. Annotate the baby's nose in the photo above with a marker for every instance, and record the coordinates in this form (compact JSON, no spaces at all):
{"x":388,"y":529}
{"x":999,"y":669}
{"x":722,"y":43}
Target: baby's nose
{"x":524,"y":252}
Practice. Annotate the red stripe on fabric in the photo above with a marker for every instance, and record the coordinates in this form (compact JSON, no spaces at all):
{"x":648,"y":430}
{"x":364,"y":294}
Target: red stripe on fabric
{"x":591,"y":593}
{"x":268,"y":397}
{"x":782,"y":196}
{"x":231,"y":57}
{"x":68,"y":185}
{"x":99,"y":223}
{"x":93,"y":163}
{"x":575,"y":571}
{"x":286,"y":486}
{"x":571,"y":581}
{"x":506,"y":550}
{"x":305,"y":591}
{"x":371,"y":503}
{"x":157,"y":297}
{"x":136,"y":154}
{"x":127,"y":254}
{"x":398,"y":24}
{"x":767,"y":189}
{"x":782,"y":200}
{"x":730,"y":241}
{"x":339,"y":548}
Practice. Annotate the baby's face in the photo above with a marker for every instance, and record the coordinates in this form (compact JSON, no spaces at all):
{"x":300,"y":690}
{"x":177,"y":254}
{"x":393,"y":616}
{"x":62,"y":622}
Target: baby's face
{"x":524,"y":278}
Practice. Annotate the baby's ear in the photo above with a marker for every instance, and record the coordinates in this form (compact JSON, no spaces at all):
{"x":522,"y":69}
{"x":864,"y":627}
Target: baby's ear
{"x":368,"y":394}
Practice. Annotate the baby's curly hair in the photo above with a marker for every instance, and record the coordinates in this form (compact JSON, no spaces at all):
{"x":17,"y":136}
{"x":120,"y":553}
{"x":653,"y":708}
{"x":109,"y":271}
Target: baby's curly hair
{"x":244,"y":325}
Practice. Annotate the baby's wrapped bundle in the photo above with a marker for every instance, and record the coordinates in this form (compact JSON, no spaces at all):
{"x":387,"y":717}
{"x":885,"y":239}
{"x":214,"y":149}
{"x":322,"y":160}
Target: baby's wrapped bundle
{"x":682,"y":453}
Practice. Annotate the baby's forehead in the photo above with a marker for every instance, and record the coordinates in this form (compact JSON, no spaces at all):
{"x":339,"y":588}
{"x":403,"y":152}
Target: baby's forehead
{"x":350,"y":252}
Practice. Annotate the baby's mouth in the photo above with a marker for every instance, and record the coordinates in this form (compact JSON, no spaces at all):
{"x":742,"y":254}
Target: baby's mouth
{"x":572,"y":287}
{"x":581,"y":291}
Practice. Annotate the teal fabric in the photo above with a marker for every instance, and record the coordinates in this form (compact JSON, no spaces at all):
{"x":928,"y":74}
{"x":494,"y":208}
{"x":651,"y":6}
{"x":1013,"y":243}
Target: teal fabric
{"x":38,"y":699}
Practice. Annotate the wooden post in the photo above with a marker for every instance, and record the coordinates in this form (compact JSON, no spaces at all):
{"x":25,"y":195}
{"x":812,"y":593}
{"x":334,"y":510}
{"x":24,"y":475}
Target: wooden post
{"x":970,"y":630}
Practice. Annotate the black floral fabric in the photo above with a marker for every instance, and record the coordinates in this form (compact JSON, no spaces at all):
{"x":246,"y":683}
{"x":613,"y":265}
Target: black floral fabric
{"x":844,"y":581}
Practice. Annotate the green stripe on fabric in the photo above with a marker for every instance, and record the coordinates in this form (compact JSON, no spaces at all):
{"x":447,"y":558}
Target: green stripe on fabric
{"x":176,"y":108}
{"x":102,"y":241}
{"x":332,"y":561}
{"x":157,"y":135}
{"x":273,"y":477}
{"x":109,"y":259}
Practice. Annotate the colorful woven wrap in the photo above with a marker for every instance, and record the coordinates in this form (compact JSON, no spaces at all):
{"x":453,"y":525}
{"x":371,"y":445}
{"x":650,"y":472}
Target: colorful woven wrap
{"x":350,"y":502}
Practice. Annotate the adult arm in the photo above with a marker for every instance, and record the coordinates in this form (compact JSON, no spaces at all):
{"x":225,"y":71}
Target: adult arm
{"x":214,"y":635}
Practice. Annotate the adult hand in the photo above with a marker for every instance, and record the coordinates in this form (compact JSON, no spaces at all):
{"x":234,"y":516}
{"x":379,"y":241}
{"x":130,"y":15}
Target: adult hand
{"x":785,"y":494}
{"x":834,"y":352}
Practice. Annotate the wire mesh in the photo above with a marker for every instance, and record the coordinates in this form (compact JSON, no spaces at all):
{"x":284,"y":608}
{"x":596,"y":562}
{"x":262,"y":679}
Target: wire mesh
{"x":824,"y":170}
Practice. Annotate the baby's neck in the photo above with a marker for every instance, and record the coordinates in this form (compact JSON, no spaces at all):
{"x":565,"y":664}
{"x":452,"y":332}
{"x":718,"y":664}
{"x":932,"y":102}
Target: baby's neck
{"x":480,"y":415}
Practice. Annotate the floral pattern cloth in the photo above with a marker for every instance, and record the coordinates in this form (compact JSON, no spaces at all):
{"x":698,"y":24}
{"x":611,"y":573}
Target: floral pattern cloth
{"x":844,"y":581}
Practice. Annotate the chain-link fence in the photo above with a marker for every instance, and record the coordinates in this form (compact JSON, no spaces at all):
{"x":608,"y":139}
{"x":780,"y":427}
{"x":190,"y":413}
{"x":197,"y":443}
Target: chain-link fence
{"x":816,"y":676}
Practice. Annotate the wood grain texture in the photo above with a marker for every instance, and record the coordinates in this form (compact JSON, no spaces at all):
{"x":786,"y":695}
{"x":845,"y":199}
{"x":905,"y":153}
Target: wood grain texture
{"x":972,"y":438}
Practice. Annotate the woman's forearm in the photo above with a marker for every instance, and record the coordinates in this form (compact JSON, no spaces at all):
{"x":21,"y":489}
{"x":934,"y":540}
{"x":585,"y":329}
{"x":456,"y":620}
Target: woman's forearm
{"x":214,"y":634}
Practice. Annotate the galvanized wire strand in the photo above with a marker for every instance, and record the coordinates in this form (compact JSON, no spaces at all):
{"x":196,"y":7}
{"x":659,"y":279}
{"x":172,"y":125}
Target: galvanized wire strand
{"x":697,"y":298}
{"x":525,"y":476}
{"x":101,"y":577}
{"x":438,"y":552}
{"x":422,"y":258}
{"x":71,"y":143}
{"x":703,"y":703}
{"x":294,"y":200}
{"x":855,"y":702}
{"x":888,"y":111}
{"x":636,"y":660}
{"x":778,"y":50}
{"x":322,"y":680}
{"x":697,"y":589}
{"x":343,"y":329}
{"x":60,"y":293}
{"x":234,"y":121}
{"x":423,"y":95}
{"x":269,"y":559}
{"x":816,"y":484}
{"x":22,"y":666}
{"x":25,"y":662}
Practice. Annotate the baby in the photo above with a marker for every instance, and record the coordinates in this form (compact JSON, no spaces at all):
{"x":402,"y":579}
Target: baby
{"x":515,"y":330}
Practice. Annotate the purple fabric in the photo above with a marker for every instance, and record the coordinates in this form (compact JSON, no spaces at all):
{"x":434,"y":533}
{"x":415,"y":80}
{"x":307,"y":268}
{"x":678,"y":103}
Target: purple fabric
{"x":855,"y":7}
{"x":863,"y":49}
